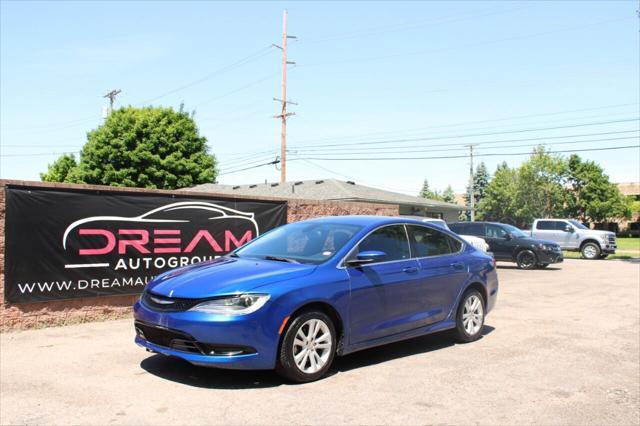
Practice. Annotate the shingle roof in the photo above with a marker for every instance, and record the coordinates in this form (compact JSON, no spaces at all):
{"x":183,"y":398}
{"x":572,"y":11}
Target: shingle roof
{"x":629,"y":188}
{"x":325,"y":189}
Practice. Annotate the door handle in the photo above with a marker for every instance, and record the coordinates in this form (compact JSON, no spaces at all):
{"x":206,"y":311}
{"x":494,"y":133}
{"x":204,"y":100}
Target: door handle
{"x":457,"y":265}
{"x":410,"y":270}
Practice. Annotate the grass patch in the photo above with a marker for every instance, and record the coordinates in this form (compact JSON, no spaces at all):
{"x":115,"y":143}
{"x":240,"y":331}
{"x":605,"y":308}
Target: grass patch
{"x":628,"y":248}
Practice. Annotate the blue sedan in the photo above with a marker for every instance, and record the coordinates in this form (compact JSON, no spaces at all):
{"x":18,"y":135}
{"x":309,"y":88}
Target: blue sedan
{"x":294,"y":298}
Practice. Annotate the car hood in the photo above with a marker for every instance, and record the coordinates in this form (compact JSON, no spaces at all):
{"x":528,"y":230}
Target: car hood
{"x":225,"y":275}
{"x":597,"y":232}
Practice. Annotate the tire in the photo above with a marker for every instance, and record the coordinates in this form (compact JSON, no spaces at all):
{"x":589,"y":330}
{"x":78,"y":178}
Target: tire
{"x":542,"y":265}
{"x":300,"y":340}
{"x":469,"y":327}
{"x":590,"y":251}
{"x":526,"y":259}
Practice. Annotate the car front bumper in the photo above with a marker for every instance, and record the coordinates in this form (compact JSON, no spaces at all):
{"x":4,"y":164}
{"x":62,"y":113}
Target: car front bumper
{"x":234,"y":342}
{"x":608,"y":249}
{"x":547,"y":257}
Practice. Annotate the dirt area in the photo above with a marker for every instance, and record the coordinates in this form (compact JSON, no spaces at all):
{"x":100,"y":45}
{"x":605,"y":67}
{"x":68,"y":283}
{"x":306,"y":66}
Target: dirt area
{"x":562,"y":347}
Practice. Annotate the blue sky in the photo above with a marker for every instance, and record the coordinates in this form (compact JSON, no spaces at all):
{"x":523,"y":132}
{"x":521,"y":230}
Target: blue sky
{"x":421,"y":79}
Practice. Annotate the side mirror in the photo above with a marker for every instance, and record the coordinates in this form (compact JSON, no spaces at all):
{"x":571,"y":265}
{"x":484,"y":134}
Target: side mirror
{"x":508,"y":237}
{"x":365,"y":257}
{"x":568,"y":228}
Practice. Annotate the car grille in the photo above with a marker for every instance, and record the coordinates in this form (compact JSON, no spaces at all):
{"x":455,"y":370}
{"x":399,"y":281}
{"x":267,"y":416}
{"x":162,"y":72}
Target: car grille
{"x":167,"y":304}
{"x":166,"y":337}
{"x":183,"y":342}
{"x":612,"y":239}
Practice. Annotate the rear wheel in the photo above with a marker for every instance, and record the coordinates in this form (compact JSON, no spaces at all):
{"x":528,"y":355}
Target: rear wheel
{"x":308,"y":347}
{"x":470,"y":317}
{"x":590,"y":251}
{"x":526,"y":259}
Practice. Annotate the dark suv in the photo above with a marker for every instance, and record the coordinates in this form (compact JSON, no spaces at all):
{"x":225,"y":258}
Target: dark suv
{"x":510,"y":244}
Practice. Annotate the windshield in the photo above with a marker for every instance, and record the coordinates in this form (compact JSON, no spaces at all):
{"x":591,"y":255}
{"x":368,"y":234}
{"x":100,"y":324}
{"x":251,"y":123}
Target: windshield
{"x":302,"y":242}
{"x":515,"y":231}
{"x":577,"y":224}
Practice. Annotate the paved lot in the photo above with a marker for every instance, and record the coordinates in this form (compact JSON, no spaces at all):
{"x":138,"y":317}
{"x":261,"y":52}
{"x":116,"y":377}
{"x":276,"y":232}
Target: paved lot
{"x":562,"y":347}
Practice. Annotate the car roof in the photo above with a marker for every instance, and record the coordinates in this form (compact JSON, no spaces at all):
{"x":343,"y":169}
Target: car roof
{"x":363,"y":220}
{"x":480,"y":222}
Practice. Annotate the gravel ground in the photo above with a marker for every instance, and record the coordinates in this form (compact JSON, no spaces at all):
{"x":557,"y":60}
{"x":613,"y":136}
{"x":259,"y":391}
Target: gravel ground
{"x":562,"y":347}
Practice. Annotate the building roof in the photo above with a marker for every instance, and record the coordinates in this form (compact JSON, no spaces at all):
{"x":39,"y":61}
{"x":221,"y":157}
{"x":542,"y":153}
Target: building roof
{"x":629,"y":188}
{"x":327,"y":190}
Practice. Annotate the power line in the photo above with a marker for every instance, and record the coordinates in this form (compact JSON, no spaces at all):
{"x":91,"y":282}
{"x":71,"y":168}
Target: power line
{"x":402,"y":150}
{"x":466,"y":45}
{"x":411,"y":25}
{"x":465,"y":156}
{"x":306,"y":141}
{"x":468,"y":135}
{"x":40,"y":154}
{"x":276,"y":161}
{"x":77,"y":122}
{"x":249,"y":58}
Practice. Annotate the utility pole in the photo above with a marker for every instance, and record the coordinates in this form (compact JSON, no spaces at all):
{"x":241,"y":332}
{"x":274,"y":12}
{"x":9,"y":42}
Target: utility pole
{"x":112,"y":97}
{"x":472,"y":198}
{"x":283,"y":100}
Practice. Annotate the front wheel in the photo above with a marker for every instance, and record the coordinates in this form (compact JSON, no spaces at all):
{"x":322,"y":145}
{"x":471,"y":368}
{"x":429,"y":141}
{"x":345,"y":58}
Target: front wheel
{"x":526,"y":259}
{"x":308,"y":347}
{"x":590,"y":251}
{"x":470,"y":317}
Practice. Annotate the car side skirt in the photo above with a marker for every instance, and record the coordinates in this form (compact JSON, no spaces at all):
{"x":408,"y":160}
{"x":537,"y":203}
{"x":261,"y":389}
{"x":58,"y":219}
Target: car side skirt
{"x":422,"y":331}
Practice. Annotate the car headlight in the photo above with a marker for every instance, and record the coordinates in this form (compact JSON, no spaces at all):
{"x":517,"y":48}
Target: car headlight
{"x":233,"y":305}
{"x":547,"y":247}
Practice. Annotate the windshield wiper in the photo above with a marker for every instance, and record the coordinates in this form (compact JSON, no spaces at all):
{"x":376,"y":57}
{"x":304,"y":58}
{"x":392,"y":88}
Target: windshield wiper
{"x":281,"y":259}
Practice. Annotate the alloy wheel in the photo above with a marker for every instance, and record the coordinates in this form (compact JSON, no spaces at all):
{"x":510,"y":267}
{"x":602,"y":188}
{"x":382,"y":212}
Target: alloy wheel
{"x":527,"y":259}
{"x":590,"y":251}
{"x":472,"y":315}
{"x":312,"y":346}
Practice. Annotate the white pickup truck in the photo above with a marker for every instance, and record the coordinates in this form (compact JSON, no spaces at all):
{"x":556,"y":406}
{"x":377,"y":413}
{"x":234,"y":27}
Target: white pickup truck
{"x":571,"y":235}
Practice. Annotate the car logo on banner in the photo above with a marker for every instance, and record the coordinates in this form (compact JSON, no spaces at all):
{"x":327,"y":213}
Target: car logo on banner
{"x":159,"y":231}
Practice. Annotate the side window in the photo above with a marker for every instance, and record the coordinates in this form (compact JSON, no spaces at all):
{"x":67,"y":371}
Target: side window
{"x":546,"y":225}
{"x":458,"y":228}
{"x":495,"y":231}
{"x":560,"y":225}
{"x":473,"y":228}
{"x":430,"y":242}
{"x":391,"y":239}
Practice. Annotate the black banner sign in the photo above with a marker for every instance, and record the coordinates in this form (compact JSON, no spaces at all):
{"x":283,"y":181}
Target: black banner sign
{"x":63,"y":243}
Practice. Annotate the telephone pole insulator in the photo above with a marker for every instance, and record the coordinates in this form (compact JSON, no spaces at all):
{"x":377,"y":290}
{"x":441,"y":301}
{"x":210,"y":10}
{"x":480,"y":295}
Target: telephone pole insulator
{"x":112,"y":98}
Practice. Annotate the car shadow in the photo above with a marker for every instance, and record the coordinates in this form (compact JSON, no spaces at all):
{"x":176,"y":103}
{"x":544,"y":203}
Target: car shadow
{"x":180,"y":371}
{"x":548,"y":268}
{"x":405,"y":348}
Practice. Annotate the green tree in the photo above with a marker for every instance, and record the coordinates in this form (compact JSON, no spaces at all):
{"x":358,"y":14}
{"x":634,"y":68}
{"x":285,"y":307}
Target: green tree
{"x":536,"y":189}
{"x":149,"y":147}
{"x":426,"y":192}
{"x":481,"y":179}
{"x":541,"y":190}
{"x":448,"y":195}
{"x":593,"y":198}
{"x":59,"y":170}
{"x":498,"y":201}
